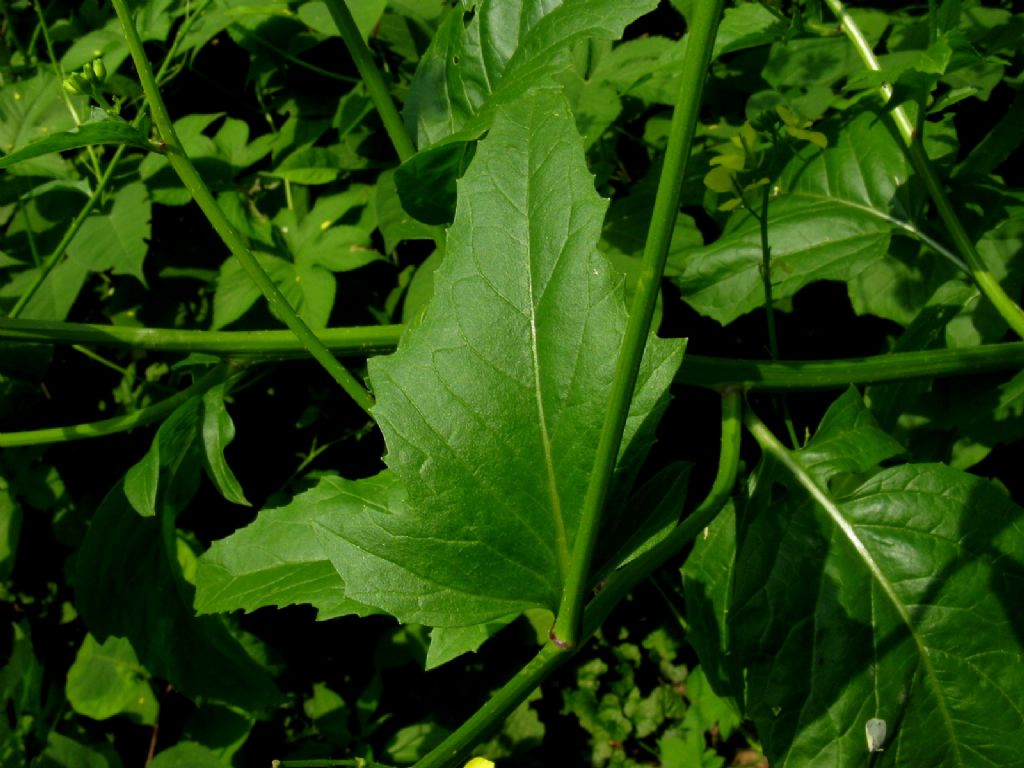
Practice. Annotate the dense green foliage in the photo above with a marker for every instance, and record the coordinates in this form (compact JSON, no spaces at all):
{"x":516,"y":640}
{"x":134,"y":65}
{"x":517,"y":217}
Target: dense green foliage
{"x":258,"y":552}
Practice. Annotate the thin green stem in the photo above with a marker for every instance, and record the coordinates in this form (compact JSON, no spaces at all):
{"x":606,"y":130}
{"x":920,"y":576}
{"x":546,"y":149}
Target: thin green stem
{"x":148,"y":415}
{"x":186,"y":171}
{"x":100,"y":359}
{"x":55,"y":63}
{"x":372,"y":78}
{"x":291,"y":58}
{"x":358,"y":341}
{"x":769,"y":304}
{"x":766,"y":274}
{"x":458,"y":746}
{"x":1008,"y":309}
{"x":697,"y":370}
{"x":700,"y":41}
{"x":101,"y":185}
{"x":57,"y":253}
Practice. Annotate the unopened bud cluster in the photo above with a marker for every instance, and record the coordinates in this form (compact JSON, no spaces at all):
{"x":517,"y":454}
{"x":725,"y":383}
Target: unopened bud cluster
{"x":85,"y":81}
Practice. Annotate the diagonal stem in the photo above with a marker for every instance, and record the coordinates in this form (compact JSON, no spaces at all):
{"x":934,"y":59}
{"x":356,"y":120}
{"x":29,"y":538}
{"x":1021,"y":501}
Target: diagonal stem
{"x":186,"y":171}
{"x":149,"y":415}
{"x":700,"y":41}
{"x":1010,"y":311}
{"x":550,"y":657}
{"x":372,"y":79}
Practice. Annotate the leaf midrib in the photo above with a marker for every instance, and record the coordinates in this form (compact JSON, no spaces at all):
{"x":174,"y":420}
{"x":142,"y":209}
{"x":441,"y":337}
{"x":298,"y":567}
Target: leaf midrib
{"x":832,"y":509}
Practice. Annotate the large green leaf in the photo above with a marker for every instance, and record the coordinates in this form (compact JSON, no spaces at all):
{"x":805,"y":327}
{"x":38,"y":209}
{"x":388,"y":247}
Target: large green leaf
{"x":896,"y":595}
{"x":276,"y":560}
{"x":831,"y":217}
{"x":492,"y":405}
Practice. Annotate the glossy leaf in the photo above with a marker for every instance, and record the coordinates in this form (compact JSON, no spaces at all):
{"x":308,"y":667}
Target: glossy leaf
{"x":746,"y":26}
{"x":87,"y":134}
{"x":309,"y":289}
{"x":194,"y":436}
{"x":218,"y":430}
{"x":899,"y":600}
{"x":495,"y":344}
{"x":219,"y":158}
{"x":486,"y":54}
{"x":831,"y":217}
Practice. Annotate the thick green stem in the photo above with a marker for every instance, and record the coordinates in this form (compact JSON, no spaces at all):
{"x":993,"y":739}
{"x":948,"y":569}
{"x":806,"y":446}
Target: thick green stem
{"x":708,"y":372}
{"x":1010,"y":311}
{"x":700,"y":40}
{"x":372,"y":79}
{"x":149,"y":415}
{"x":186,"y":171}
{"x":459,"y":745}
{"x":358,"y":341}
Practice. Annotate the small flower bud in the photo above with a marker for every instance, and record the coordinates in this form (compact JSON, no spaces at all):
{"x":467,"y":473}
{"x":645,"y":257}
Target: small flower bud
{"x":70,"y":86}
{"x":99,"y":70}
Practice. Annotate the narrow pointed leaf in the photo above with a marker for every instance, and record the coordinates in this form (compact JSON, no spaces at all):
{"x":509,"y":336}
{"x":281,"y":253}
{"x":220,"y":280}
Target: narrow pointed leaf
{"x":87,"y":134}
{"x":492,"y":406}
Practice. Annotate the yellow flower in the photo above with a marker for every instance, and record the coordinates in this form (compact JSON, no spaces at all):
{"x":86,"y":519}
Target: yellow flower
{"x":479,"y":762}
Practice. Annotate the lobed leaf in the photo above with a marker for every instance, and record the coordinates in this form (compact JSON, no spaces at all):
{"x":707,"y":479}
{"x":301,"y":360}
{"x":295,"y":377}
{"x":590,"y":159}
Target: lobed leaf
{"x":492,"y":405}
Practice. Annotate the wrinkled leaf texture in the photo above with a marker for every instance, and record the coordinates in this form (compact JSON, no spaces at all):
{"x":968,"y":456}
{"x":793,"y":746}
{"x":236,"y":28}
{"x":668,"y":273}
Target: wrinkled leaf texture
{"x":491,"y":406}
{"x":911,"y":614}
